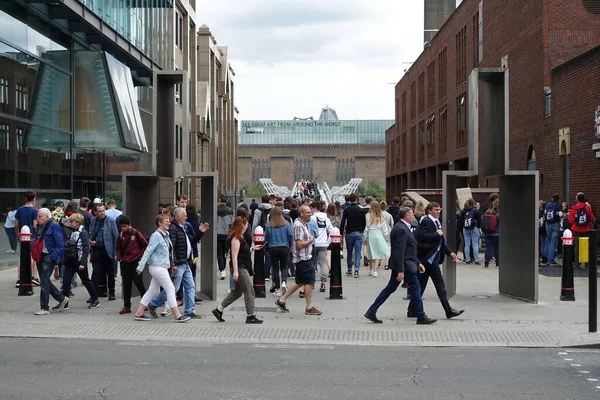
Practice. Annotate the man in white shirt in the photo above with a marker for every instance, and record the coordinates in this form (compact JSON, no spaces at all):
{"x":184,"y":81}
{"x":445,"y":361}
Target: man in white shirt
{"x":112,"y":211}
{"x":321,"y":224}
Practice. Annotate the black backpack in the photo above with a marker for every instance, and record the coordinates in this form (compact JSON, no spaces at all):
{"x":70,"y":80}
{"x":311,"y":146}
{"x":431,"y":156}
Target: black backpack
{"x":264,"y":216}
{"x":469,"y":220}
{"x":71,"y":252}
{"x":581,"y":217}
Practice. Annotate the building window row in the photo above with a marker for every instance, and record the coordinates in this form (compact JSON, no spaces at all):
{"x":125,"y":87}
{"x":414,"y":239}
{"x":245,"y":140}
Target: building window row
{"x":461,"y":121}
{"x":178,"y":30}
{"x":431,"y":84}
{"x":443,"y":135}
{"x":461,"y":56}
{"x":22,"y":94}
{"x":421,"y":93}
{"x":430,"y":135}
{"x":178,"y":142}
{"x":404,"y":109}
{"x":443,"y":74}
{"x":413,"y":101}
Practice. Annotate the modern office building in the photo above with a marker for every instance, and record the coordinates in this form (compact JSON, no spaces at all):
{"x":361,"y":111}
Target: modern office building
{"x":532,"y":39}
{"x":436,"y":13}
{"x":78,"y":106}
{"x":328,"y":150}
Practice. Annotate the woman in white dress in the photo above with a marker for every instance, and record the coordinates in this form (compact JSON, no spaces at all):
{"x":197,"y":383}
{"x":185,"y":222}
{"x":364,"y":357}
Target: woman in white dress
{"x":375,"y":235}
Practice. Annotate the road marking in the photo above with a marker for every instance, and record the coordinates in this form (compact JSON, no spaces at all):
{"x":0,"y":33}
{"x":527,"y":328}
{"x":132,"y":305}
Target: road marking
{"x":562,"y":353}
{"x":592,"y":379}
{"x":568,"y":359}
{"x":584,"y":372}
{"x":597,"y":387}
{"x":294,"y":346}
{"x":575,"y":365}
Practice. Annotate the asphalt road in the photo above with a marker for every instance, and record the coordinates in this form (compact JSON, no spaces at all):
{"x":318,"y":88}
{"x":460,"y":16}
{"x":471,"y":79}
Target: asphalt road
{"x":81,"y":370}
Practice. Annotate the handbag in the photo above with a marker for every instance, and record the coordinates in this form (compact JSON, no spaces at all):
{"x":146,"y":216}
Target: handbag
{"x":37,"y":250}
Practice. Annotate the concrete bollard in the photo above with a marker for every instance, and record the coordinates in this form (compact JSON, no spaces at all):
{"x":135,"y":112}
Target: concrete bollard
{"x":259,"y":264}
{"x":567,"y":286}
{"x":335,"y":285}
{"x":25,"y":284}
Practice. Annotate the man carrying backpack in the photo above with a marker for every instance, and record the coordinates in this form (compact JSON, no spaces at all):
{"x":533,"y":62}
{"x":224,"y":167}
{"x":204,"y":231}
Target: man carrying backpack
{"x":552,"y":215}
{"x":490,"y":226}
{"x":471,"y":222}
{"x":261,"y":216}
{"x":582,"y":219}
{"x":394,"y":209}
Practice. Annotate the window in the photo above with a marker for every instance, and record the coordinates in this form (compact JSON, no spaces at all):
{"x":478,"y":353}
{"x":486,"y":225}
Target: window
{"x":178,"y":90}
{"x":404,"y":109}
{"x":431,"y":84}
{"x":592,"y":6}
{"x":461,"y":56}
{"x":404,"y":149}
{"x":178,"y":30}
{"x":480,"y":32}
{"x":22,"y":97}
{"x":443,"y":74}
{"x":430,"y":139}
{"x":178,"y":142}
{"x":548,"y":102}
{"x":421,"y":93}
{"x":4,"y":91}
{"x":413,"y":100}
{"x":20,"y":141}
{"x":413,"y":144}
{"x":4,"y":137}
{"x":443,"y":132}
{"x":461,"y":118}
{"x":476,"y":40}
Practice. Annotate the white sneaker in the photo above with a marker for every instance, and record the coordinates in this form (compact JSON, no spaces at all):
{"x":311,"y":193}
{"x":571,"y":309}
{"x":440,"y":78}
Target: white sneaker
{"x":42,"y":312}
{"x":277,"y":293}
{"x":223,"y":275}
{"x":283,"y":288}
{"x":166,"y":313}
{"x":9,"y":251}
{"x":374,"y":274}
{"x":370,"y":273}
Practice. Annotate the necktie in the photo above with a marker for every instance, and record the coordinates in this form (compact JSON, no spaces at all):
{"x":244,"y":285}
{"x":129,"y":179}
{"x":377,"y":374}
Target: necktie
{"x":437,"y":224}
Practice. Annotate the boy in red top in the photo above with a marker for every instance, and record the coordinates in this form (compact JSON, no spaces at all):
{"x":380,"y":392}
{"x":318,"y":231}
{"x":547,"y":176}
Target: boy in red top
{"x":131,"y":245}
{"x":581,"y":218}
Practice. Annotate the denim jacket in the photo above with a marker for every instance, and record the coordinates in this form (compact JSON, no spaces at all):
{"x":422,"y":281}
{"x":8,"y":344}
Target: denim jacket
{"x":279,"y":237}
{"x":157,"y":252}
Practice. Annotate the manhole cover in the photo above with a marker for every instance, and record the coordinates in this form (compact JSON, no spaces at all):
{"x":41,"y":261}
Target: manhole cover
{"x":258,"y":309}
{"x":481,"y":296}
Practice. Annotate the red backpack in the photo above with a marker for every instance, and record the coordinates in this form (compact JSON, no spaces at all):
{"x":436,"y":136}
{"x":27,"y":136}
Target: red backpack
{"x":489,"y":223}
{"x":37,"y":249}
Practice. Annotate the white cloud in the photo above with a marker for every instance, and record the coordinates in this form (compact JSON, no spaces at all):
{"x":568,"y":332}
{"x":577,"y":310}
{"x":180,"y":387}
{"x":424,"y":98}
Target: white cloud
{"x":292,"y":57}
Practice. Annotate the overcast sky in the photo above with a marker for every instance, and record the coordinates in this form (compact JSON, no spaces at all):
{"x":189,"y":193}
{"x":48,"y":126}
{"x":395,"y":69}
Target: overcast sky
{"x":291,"y":57}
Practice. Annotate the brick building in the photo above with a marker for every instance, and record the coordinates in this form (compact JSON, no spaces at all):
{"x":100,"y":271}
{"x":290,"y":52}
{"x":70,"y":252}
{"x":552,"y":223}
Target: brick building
{"x":531,"y":38}
{"x":328,"y":150}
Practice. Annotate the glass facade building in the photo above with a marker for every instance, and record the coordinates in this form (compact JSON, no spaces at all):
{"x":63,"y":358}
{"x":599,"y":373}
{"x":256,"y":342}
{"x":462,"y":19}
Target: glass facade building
{"x":71,"y":118}
{"x":308,"y":132}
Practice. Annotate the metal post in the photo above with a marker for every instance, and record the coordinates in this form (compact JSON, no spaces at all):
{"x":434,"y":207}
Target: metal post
{"x":335,"y":286}
{"x":593,"y":282}
{"x":259,"y":265}
{"x":25,"y":284}
{"x":567,"y":287}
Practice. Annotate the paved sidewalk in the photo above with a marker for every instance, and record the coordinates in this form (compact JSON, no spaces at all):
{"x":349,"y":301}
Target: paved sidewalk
{"x":489,"y":320}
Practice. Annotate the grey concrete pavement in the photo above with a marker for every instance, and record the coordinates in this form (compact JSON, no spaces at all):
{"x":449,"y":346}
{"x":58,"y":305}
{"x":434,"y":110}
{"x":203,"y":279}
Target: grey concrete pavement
{"x":489,"y":320}
{"x":96,"y":369}
{"x":6,"y":260}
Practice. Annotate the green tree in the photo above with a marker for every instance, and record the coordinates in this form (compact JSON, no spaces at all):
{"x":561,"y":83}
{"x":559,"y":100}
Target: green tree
{"x":372,"y":189}
{"x":256,"y":191}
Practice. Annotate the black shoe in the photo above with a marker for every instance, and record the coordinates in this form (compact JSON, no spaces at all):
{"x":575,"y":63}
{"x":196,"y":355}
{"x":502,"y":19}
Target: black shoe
{"x":152,"y":312}
{"x":71,"y":295}
{"x":322,"y":289}
{"x":267,"y":278}
{"x":35,"y":281}
{"x":111,"y":297}
{"x":17,"y":284}
{"x":426,"y":321}
{"x":387,"y":267}
{"x":454,"y":313}
{"x":349,"y":272}
{"x":411,"y":315}
{"x":182,"y":318}
{"x":218,"y":315}
{"x":197,"y":300}
{"x":301,"y":294}
{"x":356,"y":274}
{"x":273,"y":288}
{"x":253,"y":320}
{"x":103,"y":295}
{"x":373,"y":318}
{"x":486,"y":265}
{"x":94,"y":304}
{"x":193,"y":315}
{"x":89,"y":300}
{"x":365,"y":261}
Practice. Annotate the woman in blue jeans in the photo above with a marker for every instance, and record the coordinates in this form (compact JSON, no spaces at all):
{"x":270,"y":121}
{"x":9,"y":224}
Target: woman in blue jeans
{"x":492,"y":237}
{"x":9,"y":228}
{"x":471,"y":224}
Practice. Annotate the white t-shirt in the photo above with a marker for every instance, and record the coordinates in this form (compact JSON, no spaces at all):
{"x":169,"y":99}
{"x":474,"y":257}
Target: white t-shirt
{"x":10,"y":219}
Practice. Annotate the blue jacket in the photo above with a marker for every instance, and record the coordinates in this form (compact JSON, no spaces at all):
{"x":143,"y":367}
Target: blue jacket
{"x":279,"y":237}
{"x":110,"y":234}
{"x":552,"y":211}
{"x":157,"y":252}
{"x":54,"y":242}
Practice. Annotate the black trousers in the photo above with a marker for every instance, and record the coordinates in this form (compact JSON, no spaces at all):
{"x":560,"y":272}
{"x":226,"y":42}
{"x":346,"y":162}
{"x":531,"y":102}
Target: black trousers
{"x":130,"y":276}
{"x":279,"y":262}
{"x":221,"y":246}
{"x":433,"y":271}
{"x":69,"y":272}
{"x":102,"y":273}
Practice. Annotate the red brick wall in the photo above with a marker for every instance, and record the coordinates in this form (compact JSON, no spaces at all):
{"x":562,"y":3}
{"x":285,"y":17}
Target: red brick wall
{"x":575,"y":98}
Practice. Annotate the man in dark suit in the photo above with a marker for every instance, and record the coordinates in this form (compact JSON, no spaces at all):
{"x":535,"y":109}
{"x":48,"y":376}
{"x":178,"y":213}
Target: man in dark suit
{"x":432,"y":251}
{"x":404,"y":265}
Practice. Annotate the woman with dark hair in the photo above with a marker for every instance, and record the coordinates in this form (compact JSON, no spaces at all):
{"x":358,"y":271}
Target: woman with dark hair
{"x":241,"y":271}
{"x":159,"y":256}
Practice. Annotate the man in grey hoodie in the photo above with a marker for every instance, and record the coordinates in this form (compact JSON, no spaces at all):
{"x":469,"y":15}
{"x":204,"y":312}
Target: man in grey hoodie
{"x":261,"y":216}
{"x":224,"y":221}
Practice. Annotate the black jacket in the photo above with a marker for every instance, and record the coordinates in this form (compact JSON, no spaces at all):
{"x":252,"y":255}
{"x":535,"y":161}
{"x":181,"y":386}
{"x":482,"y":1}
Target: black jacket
{"x":178,"y":235}
{"x":404,"y":249}
{"x":353,"y":220}
{"x":427,"y":234}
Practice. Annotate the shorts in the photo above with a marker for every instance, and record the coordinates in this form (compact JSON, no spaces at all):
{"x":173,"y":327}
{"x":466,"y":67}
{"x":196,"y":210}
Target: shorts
{"x":305,"y":273}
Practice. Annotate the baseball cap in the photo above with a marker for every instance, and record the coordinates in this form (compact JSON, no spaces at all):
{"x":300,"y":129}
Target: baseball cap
{"x":59,"y":204}
{"x":97,"y":200}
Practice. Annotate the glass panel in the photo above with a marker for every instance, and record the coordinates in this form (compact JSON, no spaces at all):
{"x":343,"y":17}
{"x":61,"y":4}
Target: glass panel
{"x":127,"y":105}
{"x":44,"y":166}
{"x":34,"y":90}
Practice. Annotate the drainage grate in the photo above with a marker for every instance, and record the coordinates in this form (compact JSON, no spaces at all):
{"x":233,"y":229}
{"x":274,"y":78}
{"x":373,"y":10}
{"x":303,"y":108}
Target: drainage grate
{"x":258,"y":309}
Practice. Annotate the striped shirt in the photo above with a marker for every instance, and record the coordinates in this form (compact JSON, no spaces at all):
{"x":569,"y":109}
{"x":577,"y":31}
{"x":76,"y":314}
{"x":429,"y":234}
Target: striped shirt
{"x":301,"y":233}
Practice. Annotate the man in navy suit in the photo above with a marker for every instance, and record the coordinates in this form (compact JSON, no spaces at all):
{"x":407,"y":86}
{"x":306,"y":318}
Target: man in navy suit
{"x":432,"y":251}
{"x":404,"y":265}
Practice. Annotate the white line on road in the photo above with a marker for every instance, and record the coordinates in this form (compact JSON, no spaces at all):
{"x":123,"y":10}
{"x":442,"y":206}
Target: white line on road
{"x":562,"y":353}
{"x":584,"y":372}
{"x":568,"y":359}
{"x":592,"y":379}
{"x":292,"y":347}
{"x":575,"y":365}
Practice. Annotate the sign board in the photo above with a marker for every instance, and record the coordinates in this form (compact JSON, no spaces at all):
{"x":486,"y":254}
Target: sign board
{"x":463,"y":194}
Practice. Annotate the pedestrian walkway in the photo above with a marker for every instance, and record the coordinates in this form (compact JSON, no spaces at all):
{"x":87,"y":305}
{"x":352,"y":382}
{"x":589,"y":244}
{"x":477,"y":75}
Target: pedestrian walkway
{"x":489,"y":320}
{"x":7,"y":260}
